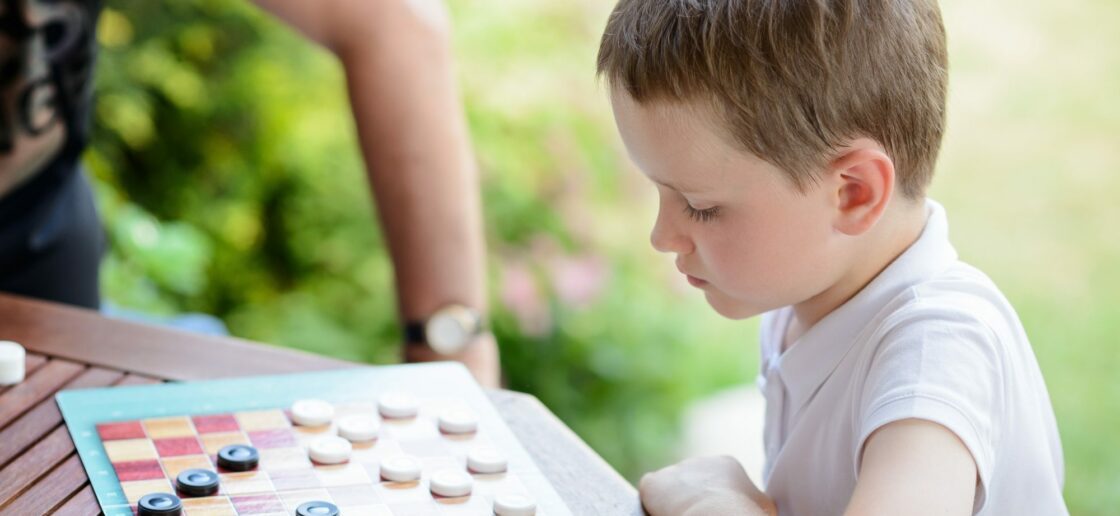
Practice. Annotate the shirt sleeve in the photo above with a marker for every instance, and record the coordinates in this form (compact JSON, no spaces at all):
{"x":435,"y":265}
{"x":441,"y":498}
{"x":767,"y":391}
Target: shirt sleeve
{"x":941,"y":365}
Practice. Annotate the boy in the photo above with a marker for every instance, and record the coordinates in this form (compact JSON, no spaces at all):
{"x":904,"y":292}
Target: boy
{"x":791,"y":144}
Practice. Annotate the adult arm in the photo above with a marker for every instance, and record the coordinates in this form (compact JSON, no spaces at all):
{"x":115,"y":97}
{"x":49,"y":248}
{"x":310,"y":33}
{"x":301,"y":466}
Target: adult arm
{"x":400,"y":75}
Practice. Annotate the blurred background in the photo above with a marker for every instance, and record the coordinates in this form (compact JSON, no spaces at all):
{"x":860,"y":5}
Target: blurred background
{"x":230,"y":182}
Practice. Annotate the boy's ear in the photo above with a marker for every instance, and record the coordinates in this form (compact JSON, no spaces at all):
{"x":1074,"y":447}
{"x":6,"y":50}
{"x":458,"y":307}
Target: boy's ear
{"x":862,"y":180}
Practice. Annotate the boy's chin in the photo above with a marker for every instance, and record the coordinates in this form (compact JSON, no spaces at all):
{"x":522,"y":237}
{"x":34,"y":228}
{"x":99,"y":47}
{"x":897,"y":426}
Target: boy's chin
{"x":731,"y":308}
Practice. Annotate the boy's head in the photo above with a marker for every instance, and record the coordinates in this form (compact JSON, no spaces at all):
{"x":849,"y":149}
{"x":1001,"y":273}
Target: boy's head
{"x":777,"y":131}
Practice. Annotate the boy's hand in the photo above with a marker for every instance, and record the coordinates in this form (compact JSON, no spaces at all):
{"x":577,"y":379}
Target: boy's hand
{"x":708,"y":485}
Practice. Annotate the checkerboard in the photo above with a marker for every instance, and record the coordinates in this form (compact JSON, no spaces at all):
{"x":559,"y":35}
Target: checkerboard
{"x":135,"y":440}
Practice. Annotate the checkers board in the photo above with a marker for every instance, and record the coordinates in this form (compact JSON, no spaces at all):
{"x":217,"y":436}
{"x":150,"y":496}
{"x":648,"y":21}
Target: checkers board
{"x":135,"y":440}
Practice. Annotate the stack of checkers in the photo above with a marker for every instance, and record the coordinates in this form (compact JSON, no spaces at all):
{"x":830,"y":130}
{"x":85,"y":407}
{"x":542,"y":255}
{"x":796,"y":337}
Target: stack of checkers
{"x":333,"y":441}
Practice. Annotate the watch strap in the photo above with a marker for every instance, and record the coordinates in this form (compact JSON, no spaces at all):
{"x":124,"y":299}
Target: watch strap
{"x":414,"y":334}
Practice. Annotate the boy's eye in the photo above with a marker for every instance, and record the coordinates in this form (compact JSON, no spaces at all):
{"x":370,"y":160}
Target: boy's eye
{"x":704,"y":215}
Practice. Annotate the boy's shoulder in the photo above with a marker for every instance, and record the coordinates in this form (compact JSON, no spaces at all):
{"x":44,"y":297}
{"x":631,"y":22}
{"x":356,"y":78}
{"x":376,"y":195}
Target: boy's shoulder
{"x":961,"y":299}
{"x":929,"y":291}
{"x":927,"y":295}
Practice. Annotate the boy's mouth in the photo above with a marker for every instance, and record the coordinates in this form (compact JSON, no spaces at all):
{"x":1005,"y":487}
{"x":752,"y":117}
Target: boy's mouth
{"x":692,"y":280}
{"x":696,"y":282}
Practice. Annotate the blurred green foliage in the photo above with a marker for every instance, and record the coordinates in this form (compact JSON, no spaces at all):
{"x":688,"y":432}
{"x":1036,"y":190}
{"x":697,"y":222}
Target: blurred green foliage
{"x":230,"y":181}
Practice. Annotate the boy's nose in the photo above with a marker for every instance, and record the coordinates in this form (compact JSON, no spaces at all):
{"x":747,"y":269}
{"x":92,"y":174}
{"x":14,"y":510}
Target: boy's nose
{"x":666,"y":238}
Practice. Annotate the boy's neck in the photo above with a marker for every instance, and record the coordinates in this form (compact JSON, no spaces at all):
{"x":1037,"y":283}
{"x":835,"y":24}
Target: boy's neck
{"x":899,"y":228}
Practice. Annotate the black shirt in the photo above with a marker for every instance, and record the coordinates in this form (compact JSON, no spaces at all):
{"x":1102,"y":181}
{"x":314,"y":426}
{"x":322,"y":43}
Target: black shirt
{"x":50,"y":236}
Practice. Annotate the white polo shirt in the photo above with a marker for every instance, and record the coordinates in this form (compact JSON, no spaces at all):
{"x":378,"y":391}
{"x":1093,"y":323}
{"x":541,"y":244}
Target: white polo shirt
{"x":929,"y":338}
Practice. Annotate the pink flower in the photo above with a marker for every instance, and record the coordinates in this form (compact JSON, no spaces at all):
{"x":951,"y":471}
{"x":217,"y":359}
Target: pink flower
{"x":521,"y":295}
{"x":578,"y":280}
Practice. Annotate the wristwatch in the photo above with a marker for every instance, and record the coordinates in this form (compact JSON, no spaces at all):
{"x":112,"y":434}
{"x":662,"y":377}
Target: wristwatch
{"x":447,"y":331}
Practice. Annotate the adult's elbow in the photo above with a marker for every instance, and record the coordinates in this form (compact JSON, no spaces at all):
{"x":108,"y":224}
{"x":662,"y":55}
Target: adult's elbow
{"x":423,"y":27}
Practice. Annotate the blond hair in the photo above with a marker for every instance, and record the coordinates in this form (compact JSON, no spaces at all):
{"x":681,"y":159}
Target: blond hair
{"x":793,"y":80}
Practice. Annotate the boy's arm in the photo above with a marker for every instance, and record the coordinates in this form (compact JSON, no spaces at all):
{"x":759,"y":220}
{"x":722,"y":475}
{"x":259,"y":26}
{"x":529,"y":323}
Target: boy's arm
{"x":400,"y":75}
{"x":914,"y":467}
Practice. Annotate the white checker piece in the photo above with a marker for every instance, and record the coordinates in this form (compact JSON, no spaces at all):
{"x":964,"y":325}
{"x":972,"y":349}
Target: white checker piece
{"x":487,"y":461}
{"x":330,"y":449}
{"x":397,"y":405}
{"x":358,"y":428}
{"x":401,"y":468}
{"x":458,"y":420}
{"x":451,"y":482}
{"x":312,"y":412}
{"x":12,"y":363}
{"x":514,"y":505}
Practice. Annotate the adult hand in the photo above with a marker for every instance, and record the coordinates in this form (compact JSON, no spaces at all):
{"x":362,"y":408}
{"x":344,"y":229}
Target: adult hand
{"x":700,"y":486}
{"x":480,"y":357}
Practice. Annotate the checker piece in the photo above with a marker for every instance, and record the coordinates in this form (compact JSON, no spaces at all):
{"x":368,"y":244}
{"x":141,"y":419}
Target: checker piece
{"x":317,"y":508}
{"x":486,"y":461}
{"x":12,"y":365}
{"x":312,"y":412}
{"x":159,"y":504}
{"x":514,"y":505}
{"x":197,"y":482}
{"x":458,"y":420}
{"x":330,"y":449}
{"x":396,"y":405}
{"x":358,"y":428}
{"x":451,"y":482}
{"x":238,"y":457}
{"x":401,"y":468}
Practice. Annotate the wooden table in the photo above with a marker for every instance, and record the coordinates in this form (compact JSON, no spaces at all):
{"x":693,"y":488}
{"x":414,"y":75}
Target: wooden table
{"x":70,"y":348}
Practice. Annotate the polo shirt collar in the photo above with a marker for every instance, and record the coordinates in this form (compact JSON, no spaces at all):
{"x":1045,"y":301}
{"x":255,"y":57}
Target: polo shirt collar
{"x":806,"y":365}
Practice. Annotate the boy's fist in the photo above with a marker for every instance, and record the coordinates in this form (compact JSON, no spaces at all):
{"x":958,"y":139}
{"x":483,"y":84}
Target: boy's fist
{"x":704,"y":486}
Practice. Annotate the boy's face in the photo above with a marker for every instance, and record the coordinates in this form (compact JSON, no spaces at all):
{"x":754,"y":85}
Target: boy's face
{"x":740,"y":230}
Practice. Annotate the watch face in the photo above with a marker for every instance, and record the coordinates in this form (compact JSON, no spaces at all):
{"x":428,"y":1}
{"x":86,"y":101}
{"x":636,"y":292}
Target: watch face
{"x":446,"y":334}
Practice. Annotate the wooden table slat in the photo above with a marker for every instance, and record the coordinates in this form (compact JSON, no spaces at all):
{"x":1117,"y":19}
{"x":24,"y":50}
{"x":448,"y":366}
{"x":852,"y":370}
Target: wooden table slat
{"x":39,"y":421}
{"x":573,"y":466}
{"x":30,"y":363}
{"x":88,"y":337}
{"x":79,"y":504}
{"x":138,"y":379}
{"x":59,"y":485}
{"x":36,"y":388}
{"x":32,"y":464}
